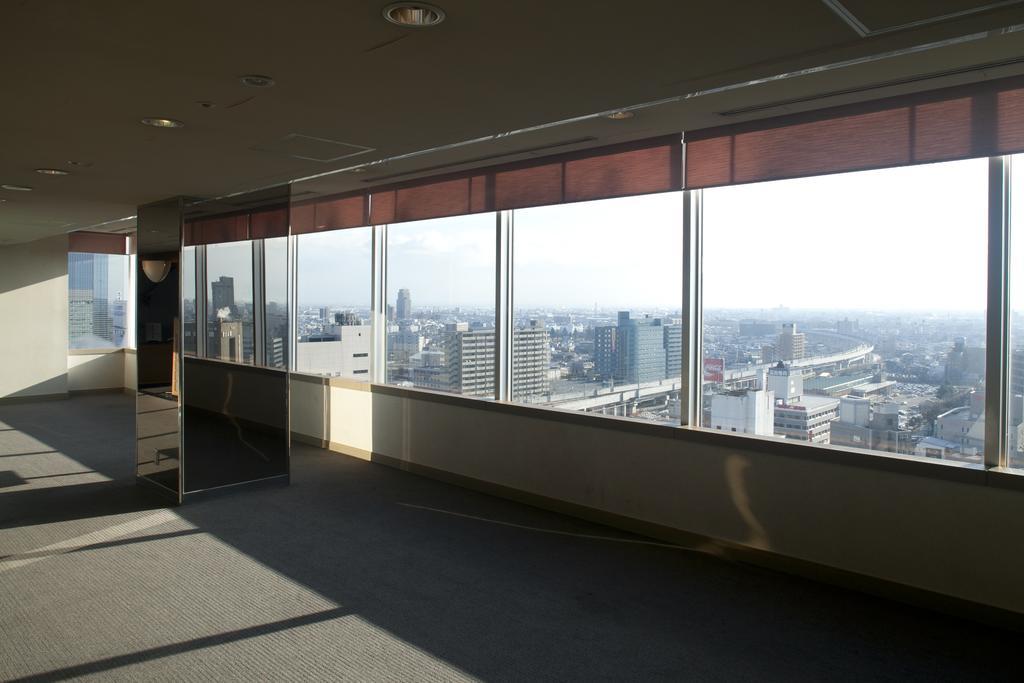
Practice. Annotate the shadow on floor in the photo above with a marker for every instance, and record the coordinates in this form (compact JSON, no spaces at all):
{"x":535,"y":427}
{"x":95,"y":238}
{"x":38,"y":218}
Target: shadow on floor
{"x":502,"y":591}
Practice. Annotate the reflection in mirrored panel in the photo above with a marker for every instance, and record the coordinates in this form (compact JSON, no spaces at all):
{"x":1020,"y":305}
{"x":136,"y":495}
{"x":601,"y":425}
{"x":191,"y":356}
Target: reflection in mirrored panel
{"x":236,"y":424}
{"x":158,"y":334}
{"x":229,"y":302}
{"x":189,"y":311}
{"x":235,"y":409}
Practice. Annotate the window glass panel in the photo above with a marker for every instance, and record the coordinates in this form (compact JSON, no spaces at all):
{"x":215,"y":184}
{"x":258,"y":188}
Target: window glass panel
{"x":188,"y":300}
{"x":334,"y":286}
{"x":441,"y":278}
{"x":275,"y":286}
{"x":850,"y":309}
{"x":1015,"y":399}
{"x":598,"y":299}
{"x":229,"y":302}
{"x":98,"y":307}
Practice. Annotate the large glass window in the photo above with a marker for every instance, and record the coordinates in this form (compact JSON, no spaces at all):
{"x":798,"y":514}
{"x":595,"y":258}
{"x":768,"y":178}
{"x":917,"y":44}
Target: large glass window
{"x":229,"y":302}
{"x":598,"y":298}
{"x":98,"y":301}
{"x":440,"y":304}
{"x":334,"y":286}
{"x":850,"y":309}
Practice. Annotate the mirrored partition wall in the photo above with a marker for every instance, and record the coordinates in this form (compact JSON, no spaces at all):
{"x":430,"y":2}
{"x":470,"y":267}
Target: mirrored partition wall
{"x":235,"y":341}
{"x":158,"y":302}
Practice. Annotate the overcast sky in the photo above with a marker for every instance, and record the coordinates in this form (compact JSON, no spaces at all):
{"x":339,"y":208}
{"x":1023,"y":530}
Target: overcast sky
{"x":895,"y":239}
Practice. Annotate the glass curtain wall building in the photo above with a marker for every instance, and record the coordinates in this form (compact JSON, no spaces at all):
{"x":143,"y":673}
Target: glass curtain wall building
{"x":98,"y":300}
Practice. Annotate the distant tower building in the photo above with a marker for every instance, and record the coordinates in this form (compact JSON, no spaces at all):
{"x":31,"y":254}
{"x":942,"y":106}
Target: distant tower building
{"x":470,"y":358}
{"x":791,"y":343}
{"x":641,"y":347}
{"x":325,"y":315}
{"x":847,"y":326}
{"x":223,"y":294}
{"x":389,"y":313}
{"x":531,"y":358}
{"x":88,"y":303}
{"x":403,"y":306}
{"x":606,"y":351}
{"x":673,"y":343}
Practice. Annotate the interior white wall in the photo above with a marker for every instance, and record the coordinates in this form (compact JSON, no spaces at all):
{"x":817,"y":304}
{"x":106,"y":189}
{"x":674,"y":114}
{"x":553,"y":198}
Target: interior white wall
{"x":96,"y":371}
{"x":130,"y":370}
{"x":34,"y":311}
{"x":918,"y":531}
{"x":308,"y":402}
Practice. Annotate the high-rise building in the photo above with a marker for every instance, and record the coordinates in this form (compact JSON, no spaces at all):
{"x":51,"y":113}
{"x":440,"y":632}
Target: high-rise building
{"x":673,"y":343}
{"x":403,"y":306}
{"x":223,"y":295}
{"x":89,"y":316}
{"x":606,"y":355}
{"x":641,"y":349}
{"x":531,"y":358}
{"x":469,"y":356}
{"x":791,"y":343}
{"x":847,"y":326}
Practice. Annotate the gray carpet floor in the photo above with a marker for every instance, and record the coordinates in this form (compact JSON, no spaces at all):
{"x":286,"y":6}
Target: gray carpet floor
{"x":360,"y":572}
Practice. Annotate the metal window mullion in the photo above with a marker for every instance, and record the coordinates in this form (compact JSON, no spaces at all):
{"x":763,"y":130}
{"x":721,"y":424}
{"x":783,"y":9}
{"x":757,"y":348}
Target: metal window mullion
{"x":378,"y":303}
{"x":293,"y":300}
{"x":503,"y":321}
{"x":259,"y":304}
{"x":200,"y":284}
{"x":997,"y":314}
{"x":692,"y":376}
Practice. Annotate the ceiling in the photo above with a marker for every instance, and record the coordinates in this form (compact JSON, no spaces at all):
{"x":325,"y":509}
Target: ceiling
{"x":80,"y":76}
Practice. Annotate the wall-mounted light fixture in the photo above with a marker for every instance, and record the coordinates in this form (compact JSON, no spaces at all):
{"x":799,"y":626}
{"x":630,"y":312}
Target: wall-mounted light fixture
{"x":156,"y":270}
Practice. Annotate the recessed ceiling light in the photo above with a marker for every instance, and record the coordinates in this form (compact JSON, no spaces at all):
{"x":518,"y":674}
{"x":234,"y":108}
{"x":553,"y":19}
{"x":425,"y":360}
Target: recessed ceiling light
{"x":257,"y":81}
{"x":619,"y":115}
{"x":163,"y":123}
{"x":17,"y":188}
{"x":414,"y":14}
{"x":51,"y":171}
